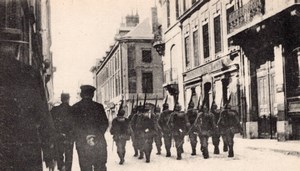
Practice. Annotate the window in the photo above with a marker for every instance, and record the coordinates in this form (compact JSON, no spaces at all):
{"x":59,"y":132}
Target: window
{"x":205,"y":40}
{"x":187,"y":51}
{"x":228,"y":12}
{"x":147,"y":82}
{"x":168,"y":13}
{"x":196,"y":48}
{"x":132,"y":80}
{"x":146,"y":55}
{"x":131,"y":55}
{"x":184,"y":5}
{"x":217,"y":31}
{"x":177,"y":8}
{"x":194,"y":1}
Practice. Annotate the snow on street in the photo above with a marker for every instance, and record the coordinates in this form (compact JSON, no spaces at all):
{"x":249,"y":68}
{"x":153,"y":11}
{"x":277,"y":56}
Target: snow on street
{"x":250,"y":154}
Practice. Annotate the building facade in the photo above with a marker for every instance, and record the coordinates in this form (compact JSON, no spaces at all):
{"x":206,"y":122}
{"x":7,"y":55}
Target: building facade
{"x":25,"y":29}
{"x":244,"y":53}
{"x":131,"y":68}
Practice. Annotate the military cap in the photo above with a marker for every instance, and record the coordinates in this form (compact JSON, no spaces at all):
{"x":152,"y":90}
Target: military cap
{"x":228,"y":106}
{"x":121,"y":113}
{"x":177,"y":107}
{"x":191,"y":105}
{"x":87,"y":89}
{"x":65,"y":95}
{"x":165,"y":105}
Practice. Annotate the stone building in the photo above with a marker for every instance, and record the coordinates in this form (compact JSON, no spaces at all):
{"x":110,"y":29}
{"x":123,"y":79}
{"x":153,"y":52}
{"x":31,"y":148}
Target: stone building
{"x":131,"y":67}
{"x":25,"y":31}
{"x":241,"y":52}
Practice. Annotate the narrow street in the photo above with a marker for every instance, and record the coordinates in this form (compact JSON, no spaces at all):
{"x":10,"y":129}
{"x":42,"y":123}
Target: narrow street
{"x":255,"y":154}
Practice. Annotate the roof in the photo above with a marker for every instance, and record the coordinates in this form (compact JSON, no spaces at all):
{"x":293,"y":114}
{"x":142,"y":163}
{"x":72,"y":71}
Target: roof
{"x":141,"y":31}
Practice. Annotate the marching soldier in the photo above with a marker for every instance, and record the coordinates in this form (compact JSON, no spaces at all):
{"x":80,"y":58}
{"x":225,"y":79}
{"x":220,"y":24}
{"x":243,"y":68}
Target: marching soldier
{"x":132,"y":118}
{"x":193,"y":132}
{"x":147,"y":130}
{"x":229,"y":125}
{"x":216,"y":132}
{"x":158,"y":137}
{"x":90,"y":125}
{"x":206,"y":127}
{"x":179,"y":123}
{"x":136,"y":136}
{"x":121,"y":133}
{"x":62,"y":118}
{"x":166,"y":131}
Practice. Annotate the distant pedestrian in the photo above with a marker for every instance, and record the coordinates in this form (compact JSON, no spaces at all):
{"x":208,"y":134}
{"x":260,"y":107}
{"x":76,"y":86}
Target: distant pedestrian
{"x":229,"y":125}
{"x":63,"y":122}
{"x":121,"y":133}
{"x":90,"y":125}
{"x":166,"y":130}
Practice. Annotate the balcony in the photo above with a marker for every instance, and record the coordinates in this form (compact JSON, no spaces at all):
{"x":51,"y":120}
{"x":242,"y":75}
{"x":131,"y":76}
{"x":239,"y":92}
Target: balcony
{"x":245,"y":14}
{"x":256,"y":11}
{"x":170,"y":75}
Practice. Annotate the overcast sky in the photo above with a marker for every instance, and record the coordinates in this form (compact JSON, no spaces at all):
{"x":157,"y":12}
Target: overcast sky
{"x":82,"y":31}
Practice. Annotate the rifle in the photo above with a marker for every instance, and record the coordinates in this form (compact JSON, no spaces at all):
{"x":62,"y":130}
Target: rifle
{"x":145,"y":98}
{"x":155,"y":104}
{"x":191,"y":100}
{"x":121,"y":105}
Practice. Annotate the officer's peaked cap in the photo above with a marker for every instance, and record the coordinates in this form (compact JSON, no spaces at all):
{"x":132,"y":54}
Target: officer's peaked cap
{"x":87,"y":89}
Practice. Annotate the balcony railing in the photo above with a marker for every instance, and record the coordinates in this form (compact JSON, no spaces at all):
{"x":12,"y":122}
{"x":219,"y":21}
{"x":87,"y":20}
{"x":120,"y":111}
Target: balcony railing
{"x":245,"y":14}
{"x":170,"y":75}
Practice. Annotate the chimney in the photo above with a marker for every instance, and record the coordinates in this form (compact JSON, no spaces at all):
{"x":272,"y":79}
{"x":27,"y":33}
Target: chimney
{"x":154,"y":19}
{"x":132,"y":20}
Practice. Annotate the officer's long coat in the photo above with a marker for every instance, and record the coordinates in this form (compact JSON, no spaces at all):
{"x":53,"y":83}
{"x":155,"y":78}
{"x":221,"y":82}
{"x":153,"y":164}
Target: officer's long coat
{"x":26,"y":125}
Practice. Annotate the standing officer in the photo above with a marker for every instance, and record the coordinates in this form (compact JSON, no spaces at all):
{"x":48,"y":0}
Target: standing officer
{"x":206,"y":127}
{"x":147,"y":130}
{"x":166,"y":131}
{"x":121,"y":133}
{"x":229,"y":125}
{"x":90,"y":125}
{"x":216,"y":132}
{"x":193,"y":132}
{"x":62,"y":118}
{"x":179,"y":124}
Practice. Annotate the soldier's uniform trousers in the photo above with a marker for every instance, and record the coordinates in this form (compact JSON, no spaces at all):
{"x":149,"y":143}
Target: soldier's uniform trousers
{"x":216,"y":141}
{"x":179,"y":140}
{"x":92,"y":156}
{"x":147,"y":141}
{"x":135,"y":143}
{"x":193,"y":139}
{"x":64,"y":154}
{"x":168,"y":142}
{"x":204,"y":144}
{"x":228,"y":137}
{"x":121,"y":143}
{"x":158,"y":142}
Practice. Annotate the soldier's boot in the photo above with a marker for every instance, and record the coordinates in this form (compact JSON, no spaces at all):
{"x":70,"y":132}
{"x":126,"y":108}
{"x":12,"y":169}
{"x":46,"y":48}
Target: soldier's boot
{"x":141,"y":155}
{"x":205,"y":153}
{"x":136,"y":153}
{"x":201,"y":148}
{"x":193,"y":152}
{"x":225,"y":148}
{"x":147,"y":157}
{"x":158,"y":151}
{"x":121,"y":156}
{"x":179,"y":156}
{"x":168,"y":153}
{"x":216,"y":150}
{"x":230,"y":153}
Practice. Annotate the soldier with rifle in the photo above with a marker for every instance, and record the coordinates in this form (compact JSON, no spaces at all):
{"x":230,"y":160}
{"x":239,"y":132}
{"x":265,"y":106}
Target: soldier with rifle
{"x":158,"y":137}
{"x":121,"y":132}
{"x":206,"y":125}
{"x":166,"y":131}
{"x":146,"y":127}
{"x":229,"y":125}
{"x":193,"y":133}
{"x":179,"y":124}
{"x":216,"y":132}
{"x":131,"y":119}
